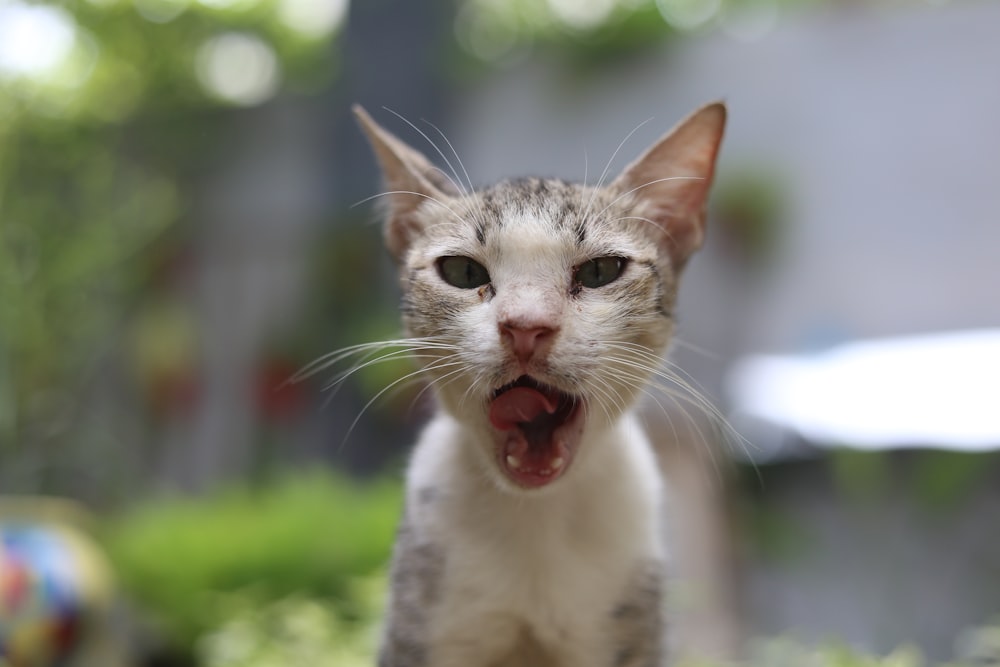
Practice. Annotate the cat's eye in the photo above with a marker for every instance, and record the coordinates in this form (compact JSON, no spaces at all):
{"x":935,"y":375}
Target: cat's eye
{"x":462,"y":272}
{"x":599,"y":271}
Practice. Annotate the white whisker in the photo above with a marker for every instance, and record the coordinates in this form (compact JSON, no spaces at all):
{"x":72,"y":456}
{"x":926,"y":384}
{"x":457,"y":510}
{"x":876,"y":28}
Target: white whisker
{"x":600,"y":181}
{"x":455,"y":153}
{"x":646,"y":185}
{"x":409,"y":376}
{"x":458,"y":186}
{"x":333,"y":358}
{"x":437,"y":201}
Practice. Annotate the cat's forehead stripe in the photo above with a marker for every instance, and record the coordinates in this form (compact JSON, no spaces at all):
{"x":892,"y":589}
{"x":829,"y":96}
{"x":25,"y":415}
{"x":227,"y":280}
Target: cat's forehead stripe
{"x":554,"y":201}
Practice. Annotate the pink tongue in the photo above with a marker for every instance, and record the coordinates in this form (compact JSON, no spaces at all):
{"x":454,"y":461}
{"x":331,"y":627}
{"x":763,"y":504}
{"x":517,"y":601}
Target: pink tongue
{"x":518,"y":405}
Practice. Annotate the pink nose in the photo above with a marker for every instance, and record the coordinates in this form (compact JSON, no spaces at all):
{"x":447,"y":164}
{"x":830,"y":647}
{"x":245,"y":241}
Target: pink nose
{"x":526,"y":342}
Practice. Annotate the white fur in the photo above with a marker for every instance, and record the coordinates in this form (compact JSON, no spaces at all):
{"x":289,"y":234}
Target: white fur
{"x":557,"y":561}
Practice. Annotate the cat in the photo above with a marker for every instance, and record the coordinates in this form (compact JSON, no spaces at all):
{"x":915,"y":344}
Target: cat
{"x":538,"y":310}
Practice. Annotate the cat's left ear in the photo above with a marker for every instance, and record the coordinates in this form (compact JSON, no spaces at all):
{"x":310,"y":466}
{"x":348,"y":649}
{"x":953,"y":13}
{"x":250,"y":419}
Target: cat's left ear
{"x":670,"y":182}
{"x":411,"y":180}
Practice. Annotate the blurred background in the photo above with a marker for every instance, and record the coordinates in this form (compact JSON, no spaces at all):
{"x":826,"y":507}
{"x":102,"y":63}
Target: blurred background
{"x":180,"y":232}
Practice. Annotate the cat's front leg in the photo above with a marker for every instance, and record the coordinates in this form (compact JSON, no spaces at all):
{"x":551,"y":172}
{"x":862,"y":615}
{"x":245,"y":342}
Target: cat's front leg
{"x":505,"y":640}
{"x":491,"y":640}
{"x":638,"y":620}
{"x":415,"y":586}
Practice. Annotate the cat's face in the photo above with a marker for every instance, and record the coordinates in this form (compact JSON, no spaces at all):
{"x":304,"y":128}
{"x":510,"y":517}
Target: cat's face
{"x":544,"y":306}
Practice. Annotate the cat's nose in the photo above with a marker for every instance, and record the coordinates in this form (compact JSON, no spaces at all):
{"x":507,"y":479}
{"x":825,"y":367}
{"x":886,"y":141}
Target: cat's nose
{"x":527,"y":341}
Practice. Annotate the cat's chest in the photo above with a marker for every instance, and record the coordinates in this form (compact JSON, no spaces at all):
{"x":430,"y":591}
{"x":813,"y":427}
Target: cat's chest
{"x":529,"y":557}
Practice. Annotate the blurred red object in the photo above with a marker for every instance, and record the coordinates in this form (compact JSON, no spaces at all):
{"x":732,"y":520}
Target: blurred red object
{"x":277,"y":398}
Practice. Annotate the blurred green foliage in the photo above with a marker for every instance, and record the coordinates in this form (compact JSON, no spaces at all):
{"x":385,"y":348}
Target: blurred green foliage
{"x":198,"y":564}
{"x":595,"y":32}
{"x":775,"y":535}
{"x":588,"y":32}
{"x":108,"y":114}
{"x":293,"y":572}
{"x":943,"y":480}
{"x":296,"y":630}
{"x":940,"y":481}
{"x":750,"y":205}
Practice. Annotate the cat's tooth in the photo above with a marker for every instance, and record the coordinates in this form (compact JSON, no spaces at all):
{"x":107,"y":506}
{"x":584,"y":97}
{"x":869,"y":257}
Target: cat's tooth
{"x":557,"y":463}
{"x":513,"y":461}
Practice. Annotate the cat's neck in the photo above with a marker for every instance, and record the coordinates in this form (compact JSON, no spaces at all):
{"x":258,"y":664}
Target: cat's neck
{"x":614,"y":454}
{"x":613,"y":495}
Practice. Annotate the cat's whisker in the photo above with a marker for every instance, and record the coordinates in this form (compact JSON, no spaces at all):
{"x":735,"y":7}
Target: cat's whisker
{"x":367,"y":352}
{"x":472,"y":390}
{"x":643,"y":351}
{"x":646,"y":185}
{"x":708,"y":354}
{"x":604,"y":174}
{"x":606,"y":397}
{"x":480,"y":218}
{"x":371,"y":354}
{"x":414,"y":375}
{"x":726,"y":432}
{"x":663,"y":410}
{"x":336,"y":356}
{"x":658,"y":362}
{"x":428,"y":197}
{"x":599,"y":403}
{"x":457,"y":157}
{"x":665,"y":370}
{"x":682,"y":402}
{"x":688,"y":394}
{"x":443,"y":382}
{"x":388,"y":357}
{"x":707,"y":443}
{"x":458,"y":186}
{"x":651,"y":223}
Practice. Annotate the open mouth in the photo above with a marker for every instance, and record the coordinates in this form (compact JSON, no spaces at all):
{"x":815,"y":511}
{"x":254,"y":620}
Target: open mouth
{"x":542,"y":428}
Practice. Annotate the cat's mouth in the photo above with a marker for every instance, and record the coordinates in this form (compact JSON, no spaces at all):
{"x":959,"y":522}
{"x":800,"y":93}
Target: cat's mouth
{"x":542,"y":427}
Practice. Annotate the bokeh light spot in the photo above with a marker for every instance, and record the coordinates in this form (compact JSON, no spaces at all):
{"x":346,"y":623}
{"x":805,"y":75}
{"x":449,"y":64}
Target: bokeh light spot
{"x":34,"y":39}
{"x":238,"y":68}
{"x":751,"y":21}
{"x":484,"y":32}
{"x":313,"y":18}
{"x":688,"y":14}
{"x":582,"y":14}
{"x":160,"y":11}
{"x":226,"y":4}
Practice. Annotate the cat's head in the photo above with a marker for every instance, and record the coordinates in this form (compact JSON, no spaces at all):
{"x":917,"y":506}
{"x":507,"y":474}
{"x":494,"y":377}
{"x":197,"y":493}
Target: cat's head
{"x":542,"y":307}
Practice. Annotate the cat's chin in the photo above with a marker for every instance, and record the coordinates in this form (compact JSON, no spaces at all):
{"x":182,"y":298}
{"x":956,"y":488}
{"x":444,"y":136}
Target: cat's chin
{"x":538,"y":430}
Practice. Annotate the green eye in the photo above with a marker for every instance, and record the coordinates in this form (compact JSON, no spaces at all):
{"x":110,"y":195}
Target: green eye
{"x":462,"y":272}
{"x":599,"y":271}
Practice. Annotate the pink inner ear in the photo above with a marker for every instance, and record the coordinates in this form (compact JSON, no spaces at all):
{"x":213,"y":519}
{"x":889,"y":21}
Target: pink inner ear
{"x":685,"y":237}
{"x":670,"y":182}
{"x":397,"y":235}
{"x":681,"y":230}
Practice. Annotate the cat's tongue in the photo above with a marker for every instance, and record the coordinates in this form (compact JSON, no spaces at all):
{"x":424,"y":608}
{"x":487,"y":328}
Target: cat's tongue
{"x":519,"y":405}
{"x":539,"y":432}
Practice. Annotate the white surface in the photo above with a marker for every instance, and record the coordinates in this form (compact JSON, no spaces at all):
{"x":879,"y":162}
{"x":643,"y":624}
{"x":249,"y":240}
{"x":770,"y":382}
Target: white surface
{"x":933,"y":390}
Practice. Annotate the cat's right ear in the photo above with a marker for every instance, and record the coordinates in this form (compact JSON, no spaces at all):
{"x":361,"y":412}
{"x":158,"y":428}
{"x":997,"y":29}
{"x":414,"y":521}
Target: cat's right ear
{"x":410,"y":180}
